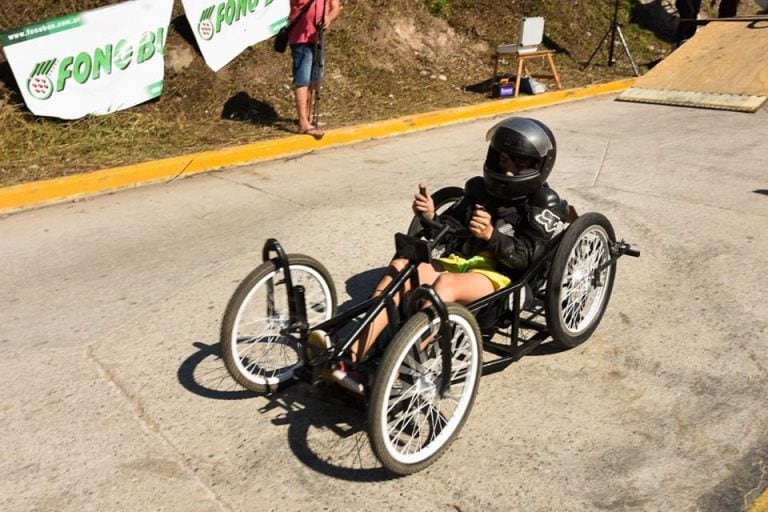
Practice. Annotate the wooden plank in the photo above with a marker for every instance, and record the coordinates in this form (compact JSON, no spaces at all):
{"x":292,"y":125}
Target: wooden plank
{"x":721,"y":59}
{"x":738,"y":102}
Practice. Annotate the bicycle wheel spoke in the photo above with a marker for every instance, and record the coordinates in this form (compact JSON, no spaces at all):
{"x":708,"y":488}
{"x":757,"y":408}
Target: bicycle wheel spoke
{"x":412,"y":367}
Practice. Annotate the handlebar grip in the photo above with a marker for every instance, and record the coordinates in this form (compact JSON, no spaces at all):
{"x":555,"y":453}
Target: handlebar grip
{"x":632,"y":252}
{"x":423,"y":190}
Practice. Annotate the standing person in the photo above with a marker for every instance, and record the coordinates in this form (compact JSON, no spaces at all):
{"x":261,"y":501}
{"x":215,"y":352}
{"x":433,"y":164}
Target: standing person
{"x":686,"y":27}
{"x":727,"y":8}
{"x":303,"y":39}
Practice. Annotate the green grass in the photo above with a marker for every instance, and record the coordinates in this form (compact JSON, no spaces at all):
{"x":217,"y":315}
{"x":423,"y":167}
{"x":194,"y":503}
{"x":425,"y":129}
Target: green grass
{"x":439,"y":7}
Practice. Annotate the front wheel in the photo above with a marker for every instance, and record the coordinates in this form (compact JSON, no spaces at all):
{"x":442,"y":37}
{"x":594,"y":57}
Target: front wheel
{"x":577,"y":291}
{"x":410,"y":423}
{"x":255,"y":351}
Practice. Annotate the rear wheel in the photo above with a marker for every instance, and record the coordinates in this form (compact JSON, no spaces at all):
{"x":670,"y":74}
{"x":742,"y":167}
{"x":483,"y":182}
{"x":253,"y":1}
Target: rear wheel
{"x":255,"y":352}
{"x":577,"y":293}
{"x":410,"y":424}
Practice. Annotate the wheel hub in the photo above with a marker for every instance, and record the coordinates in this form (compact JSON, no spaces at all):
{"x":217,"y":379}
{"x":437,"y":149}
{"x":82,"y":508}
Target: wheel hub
{"x":582,"y":281}
{"x":424,"y":384}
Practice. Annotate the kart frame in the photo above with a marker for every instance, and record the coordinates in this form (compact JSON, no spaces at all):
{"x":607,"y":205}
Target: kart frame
{"x":417,"y":251}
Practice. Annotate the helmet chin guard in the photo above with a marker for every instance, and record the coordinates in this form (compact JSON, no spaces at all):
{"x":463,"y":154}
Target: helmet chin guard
{"x":518,"y":137}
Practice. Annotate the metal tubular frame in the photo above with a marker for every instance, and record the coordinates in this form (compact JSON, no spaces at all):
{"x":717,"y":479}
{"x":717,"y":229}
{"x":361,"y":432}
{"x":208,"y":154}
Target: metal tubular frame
{"x":415,"y":250}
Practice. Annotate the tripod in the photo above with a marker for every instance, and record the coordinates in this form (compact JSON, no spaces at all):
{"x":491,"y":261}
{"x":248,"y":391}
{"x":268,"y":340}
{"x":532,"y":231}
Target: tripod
{"x":613,"y":30}
{"x":318,"y":65}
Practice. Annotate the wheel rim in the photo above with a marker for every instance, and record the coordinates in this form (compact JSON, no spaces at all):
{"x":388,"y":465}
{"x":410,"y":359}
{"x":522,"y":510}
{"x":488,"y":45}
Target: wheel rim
{"x":581,"y":295}
{"x":417,"y":421}
{"x":261,"y":354}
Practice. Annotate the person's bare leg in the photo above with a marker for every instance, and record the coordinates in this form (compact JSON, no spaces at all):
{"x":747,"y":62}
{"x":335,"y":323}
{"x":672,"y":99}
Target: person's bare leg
{"x":427,"y":275}
{"x":450,"y":287}
{"x":301,"y":94}
{"x":463,"y":288}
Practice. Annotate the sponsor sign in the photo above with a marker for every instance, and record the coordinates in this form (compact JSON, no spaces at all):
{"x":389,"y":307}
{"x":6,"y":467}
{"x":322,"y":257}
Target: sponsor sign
{"x":94,"y":62}
{"x":224,"y":28}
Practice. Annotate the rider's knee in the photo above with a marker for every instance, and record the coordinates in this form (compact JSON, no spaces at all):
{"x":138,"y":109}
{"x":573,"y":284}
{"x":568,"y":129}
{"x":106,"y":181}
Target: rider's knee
{"x":445,"y":286}
{"x":398,"y":265}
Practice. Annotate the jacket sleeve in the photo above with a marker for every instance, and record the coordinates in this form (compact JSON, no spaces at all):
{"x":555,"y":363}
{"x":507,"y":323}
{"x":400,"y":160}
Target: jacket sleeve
{"x":515,"y":251}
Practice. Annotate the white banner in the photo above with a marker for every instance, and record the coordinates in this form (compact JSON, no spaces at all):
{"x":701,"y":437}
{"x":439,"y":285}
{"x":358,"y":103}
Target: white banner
{"x":94,"y":62}
{"x":224,"y":28}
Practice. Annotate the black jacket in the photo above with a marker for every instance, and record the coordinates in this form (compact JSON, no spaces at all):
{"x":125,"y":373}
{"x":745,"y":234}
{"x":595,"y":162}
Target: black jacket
{"x":521,"y":229}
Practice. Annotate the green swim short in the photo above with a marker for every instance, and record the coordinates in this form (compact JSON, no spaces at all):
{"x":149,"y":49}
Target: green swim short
{"x":482,"y":263}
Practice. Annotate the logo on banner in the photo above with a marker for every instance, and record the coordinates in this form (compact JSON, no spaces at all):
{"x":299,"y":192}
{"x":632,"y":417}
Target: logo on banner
{"x":88,"y":66}
{"x":39,"y":83}
{"x":225,"y":13}
{"x":205,"y":27}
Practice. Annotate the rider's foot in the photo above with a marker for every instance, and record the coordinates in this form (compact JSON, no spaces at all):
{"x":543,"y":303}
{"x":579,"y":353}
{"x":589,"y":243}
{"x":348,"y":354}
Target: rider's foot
{"x":350,"y":379}
{"x":318,"y":345}
{"x":319,"y":339}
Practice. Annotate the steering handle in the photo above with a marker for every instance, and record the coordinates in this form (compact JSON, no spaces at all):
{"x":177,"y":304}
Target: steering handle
{"x":443,"y":228}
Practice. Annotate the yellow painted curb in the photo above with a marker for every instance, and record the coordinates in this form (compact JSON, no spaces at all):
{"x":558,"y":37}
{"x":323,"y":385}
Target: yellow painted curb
{"x":70,"y":187}
{"x":760,"y":504}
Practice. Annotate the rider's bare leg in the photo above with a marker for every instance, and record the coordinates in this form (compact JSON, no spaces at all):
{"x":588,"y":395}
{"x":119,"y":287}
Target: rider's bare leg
{"x":427,"y":275}
{"x":450,"y":287}
{"x":462,"y":288}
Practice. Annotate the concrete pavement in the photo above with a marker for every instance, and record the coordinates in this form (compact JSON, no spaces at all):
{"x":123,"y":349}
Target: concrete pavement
{"x":115,"y":399}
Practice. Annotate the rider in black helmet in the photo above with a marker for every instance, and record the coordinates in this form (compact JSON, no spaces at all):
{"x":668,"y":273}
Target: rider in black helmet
{"x":520,"y":157}
{"x":520,"y":210}
{"x":510,"y":211}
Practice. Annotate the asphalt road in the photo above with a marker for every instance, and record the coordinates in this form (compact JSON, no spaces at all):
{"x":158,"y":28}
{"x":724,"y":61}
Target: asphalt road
{"x":114,"y":398}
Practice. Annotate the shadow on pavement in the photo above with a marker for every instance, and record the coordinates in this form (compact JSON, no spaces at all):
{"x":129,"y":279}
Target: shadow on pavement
{"x":309,"y":412}
{"x":326,"y":426}
{"x":203,"y":373}
{"x":344,"y":453}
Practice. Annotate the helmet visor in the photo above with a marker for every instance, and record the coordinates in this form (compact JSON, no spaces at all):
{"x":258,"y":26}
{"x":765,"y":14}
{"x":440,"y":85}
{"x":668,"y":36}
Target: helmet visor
{"x":516,"y":165}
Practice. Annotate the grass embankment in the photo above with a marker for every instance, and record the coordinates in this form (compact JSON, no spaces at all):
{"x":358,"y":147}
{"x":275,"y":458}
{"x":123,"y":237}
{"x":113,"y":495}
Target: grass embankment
{"x":385,"y":59}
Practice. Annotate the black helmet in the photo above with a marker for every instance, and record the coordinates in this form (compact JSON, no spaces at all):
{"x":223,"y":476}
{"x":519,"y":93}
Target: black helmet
{"x":518,"y":137}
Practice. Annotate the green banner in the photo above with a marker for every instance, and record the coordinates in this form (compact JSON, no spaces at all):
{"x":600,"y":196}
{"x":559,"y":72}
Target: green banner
{"x":92,"y":63}
{"x":41,"y":29}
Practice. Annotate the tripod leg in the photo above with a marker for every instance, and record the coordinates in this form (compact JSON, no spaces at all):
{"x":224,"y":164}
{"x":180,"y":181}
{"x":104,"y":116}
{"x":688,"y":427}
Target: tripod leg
{"x":319,"y":65}
{"x":626,"y":49}
{"x":597,"y":49}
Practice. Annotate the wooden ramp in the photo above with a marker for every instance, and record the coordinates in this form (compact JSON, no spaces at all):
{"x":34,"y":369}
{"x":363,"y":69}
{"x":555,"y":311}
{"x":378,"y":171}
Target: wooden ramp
{"x":724,"y":66}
